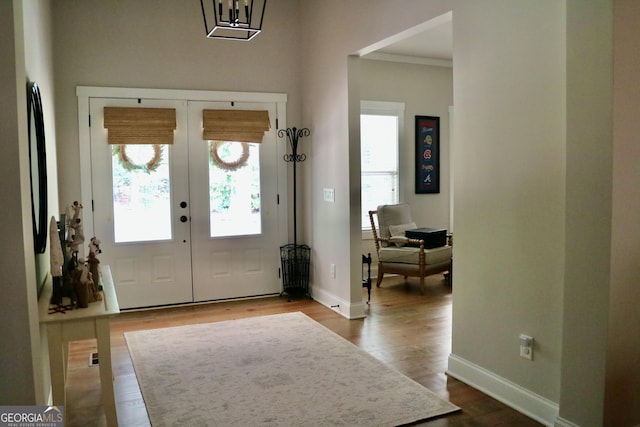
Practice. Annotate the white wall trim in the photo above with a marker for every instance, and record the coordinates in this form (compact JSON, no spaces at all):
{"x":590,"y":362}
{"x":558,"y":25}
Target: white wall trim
{"x":339,"y":305}
{"x":561,"y":422}
{"x":511,"y":394}
{"x":382,"y":107}
{"x":390,"y":57}
{"x":178,"y":94}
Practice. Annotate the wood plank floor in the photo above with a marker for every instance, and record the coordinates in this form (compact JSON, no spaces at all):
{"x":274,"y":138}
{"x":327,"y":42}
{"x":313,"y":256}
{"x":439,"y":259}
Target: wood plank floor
{"x":407,"y":330}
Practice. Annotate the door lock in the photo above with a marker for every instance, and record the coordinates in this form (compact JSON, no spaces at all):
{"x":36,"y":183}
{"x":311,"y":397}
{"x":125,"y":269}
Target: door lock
{"x":183,"y":218}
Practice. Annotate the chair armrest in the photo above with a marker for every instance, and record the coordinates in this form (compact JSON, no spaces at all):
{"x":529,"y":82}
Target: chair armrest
{"x":417,"y":242}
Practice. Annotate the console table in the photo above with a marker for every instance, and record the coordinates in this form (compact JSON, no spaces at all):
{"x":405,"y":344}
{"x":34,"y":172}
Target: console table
{"x":80,"y":324}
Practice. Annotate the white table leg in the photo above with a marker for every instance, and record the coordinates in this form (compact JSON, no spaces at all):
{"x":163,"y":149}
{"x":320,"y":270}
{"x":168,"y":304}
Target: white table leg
{"x":106,"y":375}
{"x":56,"y":363}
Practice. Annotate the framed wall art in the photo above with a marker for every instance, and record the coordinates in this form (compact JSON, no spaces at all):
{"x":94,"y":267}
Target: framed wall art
{"x":427,"y":154}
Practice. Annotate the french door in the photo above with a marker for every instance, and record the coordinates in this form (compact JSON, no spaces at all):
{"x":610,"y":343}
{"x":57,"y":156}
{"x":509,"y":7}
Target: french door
{"x":234,"y":226}
{"x":191,"y":221}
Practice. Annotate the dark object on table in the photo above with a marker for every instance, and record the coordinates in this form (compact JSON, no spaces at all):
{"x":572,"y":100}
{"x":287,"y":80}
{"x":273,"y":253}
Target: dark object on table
{"x":433,"y":237}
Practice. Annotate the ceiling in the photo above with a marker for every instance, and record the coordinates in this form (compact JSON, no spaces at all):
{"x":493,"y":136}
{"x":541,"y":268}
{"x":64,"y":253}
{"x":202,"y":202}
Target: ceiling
{"x":433,"y":44}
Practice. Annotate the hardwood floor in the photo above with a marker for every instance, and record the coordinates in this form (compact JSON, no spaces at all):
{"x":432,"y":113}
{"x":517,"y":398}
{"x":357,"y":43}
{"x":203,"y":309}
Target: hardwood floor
{"x":409,"y":331}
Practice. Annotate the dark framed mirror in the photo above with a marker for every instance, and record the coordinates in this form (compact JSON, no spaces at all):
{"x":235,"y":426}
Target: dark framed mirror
{"x":38,"y":167}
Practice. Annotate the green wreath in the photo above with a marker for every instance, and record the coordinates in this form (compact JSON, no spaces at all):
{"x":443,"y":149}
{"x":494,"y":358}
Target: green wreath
{"x":120,"y":151}
{"x":229,"y":165}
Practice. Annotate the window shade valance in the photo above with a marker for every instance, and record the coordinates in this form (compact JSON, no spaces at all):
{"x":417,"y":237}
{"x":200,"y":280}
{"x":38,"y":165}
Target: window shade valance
{"x":140,"y":125}
{"x":234,"y":125}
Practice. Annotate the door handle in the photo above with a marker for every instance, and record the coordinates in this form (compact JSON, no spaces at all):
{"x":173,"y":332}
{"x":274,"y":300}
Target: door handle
{"x":184,"y":218}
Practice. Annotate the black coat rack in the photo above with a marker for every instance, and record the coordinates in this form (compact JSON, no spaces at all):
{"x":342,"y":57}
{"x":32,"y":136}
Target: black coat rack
{"x":295,"y":258}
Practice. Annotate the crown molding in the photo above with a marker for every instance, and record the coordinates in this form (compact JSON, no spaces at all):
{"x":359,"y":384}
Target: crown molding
{"x":376,"y":56}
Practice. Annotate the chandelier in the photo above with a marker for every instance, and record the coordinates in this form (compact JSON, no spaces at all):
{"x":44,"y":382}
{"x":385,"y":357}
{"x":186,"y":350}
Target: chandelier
{"x":233,"y":20}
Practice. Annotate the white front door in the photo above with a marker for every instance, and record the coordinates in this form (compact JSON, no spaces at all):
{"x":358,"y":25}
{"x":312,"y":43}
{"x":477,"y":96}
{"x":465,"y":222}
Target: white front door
{"x":234,"y":210}
{"x":138,"y":193}
{"x":192,"y":221}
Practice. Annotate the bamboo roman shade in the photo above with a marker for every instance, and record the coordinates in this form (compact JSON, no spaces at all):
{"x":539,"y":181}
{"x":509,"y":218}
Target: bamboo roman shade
{"x":234,"y":125}
{"x":140,"y":125}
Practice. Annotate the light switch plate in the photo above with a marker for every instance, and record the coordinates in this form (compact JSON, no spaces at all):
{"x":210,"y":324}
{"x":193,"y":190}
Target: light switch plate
{"x":329,"y":195}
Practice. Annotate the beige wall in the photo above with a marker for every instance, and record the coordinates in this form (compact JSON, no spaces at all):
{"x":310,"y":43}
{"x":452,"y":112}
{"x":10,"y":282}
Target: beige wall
{"x":25,"y":40}
{"x":622,"y":394}
{"x":509,"y":154}
{"x":39,"y":69}
{"x":588,"y":210}
{"x":161,"y":44}
{"x":16,"y":258}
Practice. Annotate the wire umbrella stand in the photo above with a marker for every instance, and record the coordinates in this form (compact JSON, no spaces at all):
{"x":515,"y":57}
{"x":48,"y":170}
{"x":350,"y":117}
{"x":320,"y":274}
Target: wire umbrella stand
{"x":295,"y":259}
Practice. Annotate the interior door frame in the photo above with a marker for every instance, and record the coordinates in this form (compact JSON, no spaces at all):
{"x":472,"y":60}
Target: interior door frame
{"x":85,"y":93}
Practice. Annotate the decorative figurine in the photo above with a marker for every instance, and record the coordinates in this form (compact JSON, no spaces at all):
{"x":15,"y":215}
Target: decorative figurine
{"x":94,"y":263}
{"x":94,"y":273}
{"x":76,"y":279}
{"x":94,"y":245}
{"x":75,"y":236}
{"x":80,"y":278}
{"x":57,"y":262}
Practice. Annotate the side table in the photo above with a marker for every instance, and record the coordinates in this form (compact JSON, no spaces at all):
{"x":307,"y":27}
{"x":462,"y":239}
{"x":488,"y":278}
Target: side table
{"x":80,"y":324}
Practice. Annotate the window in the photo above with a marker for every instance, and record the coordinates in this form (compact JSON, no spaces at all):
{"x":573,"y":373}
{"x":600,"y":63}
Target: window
{"x":381,"y":125}
{"x":234,"y":191}
{"x":141,"y":192}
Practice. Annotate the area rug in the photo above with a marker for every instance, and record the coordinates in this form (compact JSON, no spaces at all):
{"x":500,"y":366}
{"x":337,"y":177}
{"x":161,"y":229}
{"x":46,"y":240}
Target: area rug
{"x":279,"y":370}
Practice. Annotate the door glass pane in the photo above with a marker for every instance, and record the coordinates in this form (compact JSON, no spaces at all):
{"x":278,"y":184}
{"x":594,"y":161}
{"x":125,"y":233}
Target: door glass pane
{"x":141,"y":193}
{"x":234,"y":189}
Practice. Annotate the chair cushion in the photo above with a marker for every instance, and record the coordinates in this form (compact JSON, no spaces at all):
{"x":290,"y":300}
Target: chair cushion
{"x":392,"y":215}
{"x":399,"y":241}
{"x":397,"y":233}
{"x":410,"y":255}
{"x":398,"y":230}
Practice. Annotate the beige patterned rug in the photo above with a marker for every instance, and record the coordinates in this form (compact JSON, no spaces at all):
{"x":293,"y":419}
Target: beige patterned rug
{"x":279,"y":370}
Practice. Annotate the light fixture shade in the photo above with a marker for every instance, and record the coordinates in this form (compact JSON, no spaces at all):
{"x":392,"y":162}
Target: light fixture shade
{"x":233,"y":19}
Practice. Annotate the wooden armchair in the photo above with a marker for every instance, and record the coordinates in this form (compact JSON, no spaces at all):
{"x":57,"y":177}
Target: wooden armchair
{"x":400,"y":255}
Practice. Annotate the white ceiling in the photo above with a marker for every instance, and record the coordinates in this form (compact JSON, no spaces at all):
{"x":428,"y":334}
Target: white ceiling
{"x":435,"y":43}
{"x":432,"y":45}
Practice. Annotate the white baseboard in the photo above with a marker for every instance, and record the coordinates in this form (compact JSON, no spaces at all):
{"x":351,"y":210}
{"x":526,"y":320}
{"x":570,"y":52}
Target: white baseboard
{"x":561,"y":422}
{"x":511,"y":394}
{"x":339,"y":305}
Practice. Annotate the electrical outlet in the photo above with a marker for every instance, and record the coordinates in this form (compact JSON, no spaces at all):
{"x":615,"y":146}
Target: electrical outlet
{"x":329,"y":195}
{"x":526,"y":347}
{"x":332,"y":271}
